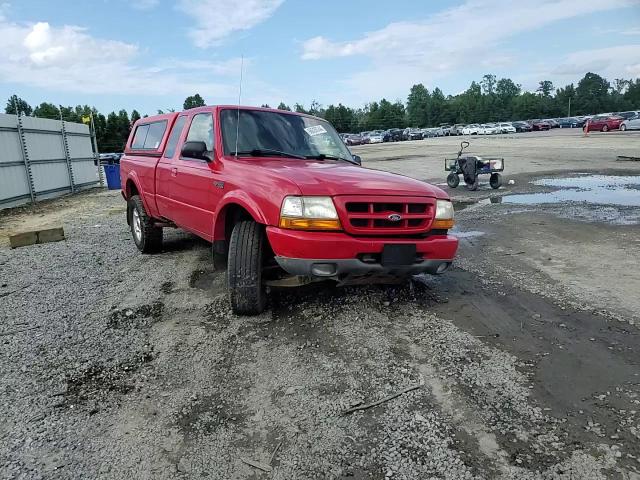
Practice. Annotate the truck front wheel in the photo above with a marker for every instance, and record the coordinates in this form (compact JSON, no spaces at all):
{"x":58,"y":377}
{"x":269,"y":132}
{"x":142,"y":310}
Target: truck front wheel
{"x":147,"y":237}
{"x":244,"y":268}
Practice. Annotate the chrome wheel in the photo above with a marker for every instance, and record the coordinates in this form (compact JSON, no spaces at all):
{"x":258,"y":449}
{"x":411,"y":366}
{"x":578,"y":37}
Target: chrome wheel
{"x":137,"y":225}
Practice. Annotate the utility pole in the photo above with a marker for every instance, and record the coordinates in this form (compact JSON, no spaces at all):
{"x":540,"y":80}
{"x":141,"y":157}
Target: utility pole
{"x":96,"y":154}
{"x":25,"y":155}
{"x":65,"y":150}
{"x":569,"y":112}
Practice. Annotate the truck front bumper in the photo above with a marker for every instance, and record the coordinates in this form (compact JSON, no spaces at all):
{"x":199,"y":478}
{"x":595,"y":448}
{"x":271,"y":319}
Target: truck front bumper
{"x":338,"y":255}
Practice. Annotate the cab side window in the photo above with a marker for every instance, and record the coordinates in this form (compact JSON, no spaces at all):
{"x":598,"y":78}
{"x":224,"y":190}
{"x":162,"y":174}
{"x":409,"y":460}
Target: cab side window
{"x":140,"y":137}
{"x":149,"y":136}
{"x":201,"y":130}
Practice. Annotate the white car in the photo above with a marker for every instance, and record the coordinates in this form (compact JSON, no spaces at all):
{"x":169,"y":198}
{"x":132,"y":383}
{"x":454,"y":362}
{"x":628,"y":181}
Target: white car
{"x":486,"y":130}
{"x":471,"y":129}
{"x":376,"y":137}
{"x":632,"y":123}
{"x":507,"y":128}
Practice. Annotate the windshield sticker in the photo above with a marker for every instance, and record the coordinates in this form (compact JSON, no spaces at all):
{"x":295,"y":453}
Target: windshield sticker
{"x":315,"y":130}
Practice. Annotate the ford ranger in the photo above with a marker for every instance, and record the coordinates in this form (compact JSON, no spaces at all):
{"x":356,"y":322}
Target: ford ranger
{"x":281,"y":198}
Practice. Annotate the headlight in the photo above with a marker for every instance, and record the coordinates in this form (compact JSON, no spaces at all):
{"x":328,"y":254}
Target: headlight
{"x":444,"y":215}
{"x":309,"y":213}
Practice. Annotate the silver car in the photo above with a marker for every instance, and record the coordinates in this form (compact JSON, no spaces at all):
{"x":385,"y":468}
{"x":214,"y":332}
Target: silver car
{"x":632,"y":123}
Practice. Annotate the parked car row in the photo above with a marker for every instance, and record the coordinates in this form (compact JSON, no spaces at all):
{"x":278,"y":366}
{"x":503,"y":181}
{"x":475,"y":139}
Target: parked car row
{"x":603,"y":122}
{"x":108,"y":158}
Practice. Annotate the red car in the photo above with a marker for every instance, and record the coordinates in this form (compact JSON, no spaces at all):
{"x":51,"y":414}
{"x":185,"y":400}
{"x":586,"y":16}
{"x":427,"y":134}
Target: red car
{"x":282,"y":199}
{"x":603,"y":123}
{"x":540,"y":125}
{"x":353,"y":139}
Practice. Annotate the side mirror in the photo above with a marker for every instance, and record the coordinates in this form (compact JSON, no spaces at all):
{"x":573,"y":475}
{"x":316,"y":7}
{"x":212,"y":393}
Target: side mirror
{"x":357,"y":159}
{"x":197,"y":150}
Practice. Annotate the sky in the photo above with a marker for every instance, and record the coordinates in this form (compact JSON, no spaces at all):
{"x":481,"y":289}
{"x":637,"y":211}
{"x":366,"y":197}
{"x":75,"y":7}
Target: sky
{"x":151,"y":54}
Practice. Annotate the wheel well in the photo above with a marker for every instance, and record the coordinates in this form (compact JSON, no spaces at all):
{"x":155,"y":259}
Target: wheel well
{"x":225,"y":221}
{"x":234,"y":214}
{"x":131,"y":189}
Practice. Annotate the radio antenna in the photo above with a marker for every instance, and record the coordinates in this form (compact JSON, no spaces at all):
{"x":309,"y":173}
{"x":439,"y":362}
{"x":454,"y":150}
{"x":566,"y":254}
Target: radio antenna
{"x":239,"y":100}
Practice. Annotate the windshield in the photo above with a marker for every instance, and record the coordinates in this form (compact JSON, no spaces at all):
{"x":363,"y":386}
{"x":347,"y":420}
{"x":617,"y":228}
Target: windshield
{"x":261,"y":130}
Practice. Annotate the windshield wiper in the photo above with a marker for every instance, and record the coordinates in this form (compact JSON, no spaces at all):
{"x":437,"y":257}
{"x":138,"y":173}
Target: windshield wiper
{"x":323,"y":156}
{"x":262,"y":152}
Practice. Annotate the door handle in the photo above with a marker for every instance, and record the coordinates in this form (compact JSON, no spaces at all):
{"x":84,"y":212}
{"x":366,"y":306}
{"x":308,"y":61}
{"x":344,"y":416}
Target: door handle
{"x":174,"y":172}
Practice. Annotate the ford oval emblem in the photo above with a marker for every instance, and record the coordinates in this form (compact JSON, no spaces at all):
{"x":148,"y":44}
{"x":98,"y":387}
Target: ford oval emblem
{"x":394,"y":217}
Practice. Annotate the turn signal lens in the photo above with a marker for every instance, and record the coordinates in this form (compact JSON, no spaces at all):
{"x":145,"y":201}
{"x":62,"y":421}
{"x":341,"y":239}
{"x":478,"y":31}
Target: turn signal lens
{"x":442,"y":224}
{"x":444,"y":215}
{"x":309,"y":223}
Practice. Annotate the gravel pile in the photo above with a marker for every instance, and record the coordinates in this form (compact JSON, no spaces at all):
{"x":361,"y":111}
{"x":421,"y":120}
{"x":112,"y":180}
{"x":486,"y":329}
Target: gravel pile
{"x":134,"y":367}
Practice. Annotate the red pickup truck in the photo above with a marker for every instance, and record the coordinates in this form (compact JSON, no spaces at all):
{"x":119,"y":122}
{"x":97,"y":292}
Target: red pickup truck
{"x":281,"y":198}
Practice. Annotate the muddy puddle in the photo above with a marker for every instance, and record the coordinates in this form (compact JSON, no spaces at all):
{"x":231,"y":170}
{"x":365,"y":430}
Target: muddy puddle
{"x":593,"y":189}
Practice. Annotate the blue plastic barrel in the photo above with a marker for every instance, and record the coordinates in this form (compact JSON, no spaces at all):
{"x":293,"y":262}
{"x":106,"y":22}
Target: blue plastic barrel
{"x":112,"y":172}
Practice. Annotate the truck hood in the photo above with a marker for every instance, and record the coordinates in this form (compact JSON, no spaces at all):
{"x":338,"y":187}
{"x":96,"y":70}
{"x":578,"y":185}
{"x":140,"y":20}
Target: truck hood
{"x":333,"y":178}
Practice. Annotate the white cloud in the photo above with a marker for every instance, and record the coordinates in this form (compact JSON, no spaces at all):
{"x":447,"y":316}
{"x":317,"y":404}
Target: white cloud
{"x":474,"y":34}
{"x":476,"y":26}
{"x":611,"y":62}
{"x":69,"y":59}
{"x":67,"y":45}
{"x":216,"y":19}
{"x":144,"y":4}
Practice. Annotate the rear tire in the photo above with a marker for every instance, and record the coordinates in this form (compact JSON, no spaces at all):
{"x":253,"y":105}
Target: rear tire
{"x":453,"y":180}
{"x":147,"y":237}
{"x":495,"y":180}
{"x":244,"y":269}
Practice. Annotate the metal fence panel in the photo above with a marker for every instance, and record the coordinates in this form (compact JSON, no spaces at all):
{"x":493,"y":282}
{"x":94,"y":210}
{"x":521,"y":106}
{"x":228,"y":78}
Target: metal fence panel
{"x":84,"y":173}
{"x":50,"y":176}
{"x":44,"y":147}
{"x":43,"y":158}
{"x":79,"y":147}
{"x":10,"y":143}
{"x":77,"y":128}
{"x":8,"y":121}
{"x":13,"y":185}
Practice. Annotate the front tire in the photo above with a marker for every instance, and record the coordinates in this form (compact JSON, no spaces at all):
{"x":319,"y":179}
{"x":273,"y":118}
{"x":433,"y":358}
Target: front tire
{"x":147,"y":237}
{"x":453,"y":180}
{"x":605,"y":128}
{"x":623,"y":127}
{"x":244,"y":269}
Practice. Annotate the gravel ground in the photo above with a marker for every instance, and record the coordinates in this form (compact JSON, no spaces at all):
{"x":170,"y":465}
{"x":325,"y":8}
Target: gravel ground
{"x":118,"y":365}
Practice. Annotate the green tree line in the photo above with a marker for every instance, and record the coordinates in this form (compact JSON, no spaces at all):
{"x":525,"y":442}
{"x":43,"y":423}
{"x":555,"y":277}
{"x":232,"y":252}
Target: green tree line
{"x":488,"y":100}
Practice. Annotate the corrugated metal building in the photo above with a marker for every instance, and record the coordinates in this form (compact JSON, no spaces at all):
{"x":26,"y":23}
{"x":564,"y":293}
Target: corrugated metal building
{"x":42,"y":158}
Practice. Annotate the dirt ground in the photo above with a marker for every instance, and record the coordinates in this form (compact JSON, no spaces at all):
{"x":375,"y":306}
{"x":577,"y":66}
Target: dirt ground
{"x":524,"y":357}
{"x":557,"y":150}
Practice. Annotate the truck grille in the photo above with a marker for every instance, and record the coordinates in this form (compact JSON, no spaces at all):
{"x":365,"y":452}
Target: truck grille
{"x":362,"y":215}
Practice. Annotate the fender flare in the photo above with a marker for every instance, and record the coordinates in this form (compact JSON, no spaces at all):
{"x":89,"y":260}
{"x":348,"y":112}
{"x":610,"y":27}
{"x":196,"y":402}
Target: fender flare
{"x":236,"y":197}
{"x":133,"y":177}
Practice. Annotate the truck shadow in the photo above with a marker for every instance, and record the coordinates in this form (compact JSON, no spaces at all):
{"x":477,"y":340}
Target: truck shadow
{"x":178,"y":240}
